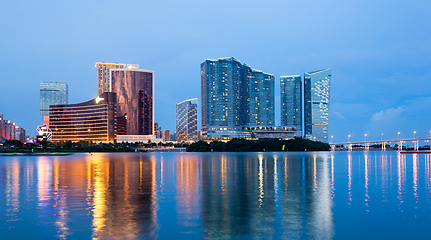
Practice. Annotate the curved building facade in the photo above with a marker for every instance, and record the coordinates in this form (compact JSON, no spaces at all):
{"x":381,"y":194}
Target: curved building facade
{"x":94,"y":120}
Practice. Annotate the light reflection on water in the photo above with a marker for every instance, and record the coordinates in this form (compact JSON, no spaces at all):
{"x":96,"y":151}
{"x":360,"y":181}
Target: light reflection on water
{"x":216,"y":195}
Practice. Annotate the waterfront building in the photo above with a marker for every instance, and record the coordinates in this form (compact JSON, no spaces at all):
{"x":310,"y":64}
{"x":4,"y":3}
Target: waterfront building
{"x":52,"y":93}
{"x":104,"y":76}
{"x":259,"y":98}
{"x":234,"y":96}
{"x":1,"y":125}
{"x":93,"y":120}
{"x":187,"y":120}
{"x":165,"y":135}
{"x":20,"y":134}
{"x":291,"y":101}
{"x":134,"y":89}
{"x":316,"y":104}
{"x":9,"y":130}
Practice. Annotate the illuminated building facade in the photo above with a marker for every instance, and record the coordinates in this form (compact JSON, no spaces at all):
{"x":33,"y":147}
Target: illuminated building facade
{"x":104,"y":76}
{"x":93,"y":120}
{"x":316,"y":104}
{"x":135,"y":99}
{"x":52,"y":93}
{"x":187,"y":120}
{"x":234,"y":96}
{"x":9,"y":130}
{"x":291,"y":101}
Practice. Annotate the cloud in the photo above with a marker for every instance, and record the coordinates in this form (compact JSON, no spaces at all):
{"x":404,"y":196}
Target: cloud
{"x":339,"y":115}
{"x":389,"y":114}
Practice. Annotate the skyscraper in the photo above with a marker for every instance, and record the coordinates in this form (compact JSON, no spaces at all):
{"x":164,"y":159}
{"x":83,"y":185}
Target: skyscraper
{"x":135,"y":100}
{"x":104,"y":76}
{"x":52,"y":93}
{"x":187,"y":120}
{"x":316,"y":103}
{"x":234,"y":96}
{"x":291,"y":101}
{"x":259,"y":98}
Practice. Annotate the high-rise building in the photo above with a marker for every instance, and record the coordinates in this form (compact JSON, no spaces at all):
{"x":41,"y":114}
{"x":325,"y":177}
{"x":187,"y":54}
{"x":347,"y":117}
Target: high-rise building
{"x":135,"y":99}
{"x":234,"y":96}
{"x":259,"y":98}
{"x":94,"y":120}
{"x":187,"y":120}
{"x":1,"y":126}
{"x":20,"y":134}
{"x":9,"y":130}
{"x":291,"y":101}
{"x":104,"y":76}
{"x":52,"y":93}
{"x":316,"y":104}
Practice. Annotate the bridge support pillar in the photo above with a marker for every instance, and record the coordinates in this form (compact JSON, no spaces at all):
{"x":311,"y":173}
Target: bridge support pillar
{"x":416,"y":143}
{"x":332,"y":147}
{"x":350,"y":147}
{"x":400,"y":145}
{"x":383,"y":146}
{"x":367,"y":146}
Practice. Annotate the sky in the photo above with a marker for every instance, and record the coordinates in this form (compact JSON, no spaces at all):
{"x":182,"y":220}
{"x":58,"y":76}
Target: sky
{"x":379,"y":52}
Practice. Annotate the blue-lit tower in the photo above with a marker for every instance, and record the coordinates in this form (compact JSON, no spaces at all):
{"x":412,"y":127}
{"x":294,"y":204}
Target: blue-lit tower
{"x":291,"y":101}
{"x":316,"y":103}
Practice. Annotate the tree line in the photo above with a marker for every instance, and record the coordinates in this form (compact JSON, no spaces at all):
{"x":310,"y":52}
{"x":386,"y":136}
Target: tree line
{"x":261,"y":145}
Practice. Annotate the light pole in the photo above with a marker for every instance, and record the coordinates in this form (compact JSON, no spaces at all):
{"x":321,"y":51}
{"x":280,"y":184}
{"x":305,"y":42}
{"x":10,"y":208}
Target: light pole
{"x":365,"y":137}
{"x":398,"y":135}
{"x":414,"y":134}
{"x":348,"y":138}
{"x":332,"y":138}
{"x":382,"y":137}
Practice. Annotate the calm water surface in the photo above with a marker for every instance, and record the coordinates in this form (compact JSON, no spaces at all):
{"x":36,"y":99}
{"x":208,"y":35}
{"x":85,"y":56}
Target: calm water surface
{"x":330,"y":195}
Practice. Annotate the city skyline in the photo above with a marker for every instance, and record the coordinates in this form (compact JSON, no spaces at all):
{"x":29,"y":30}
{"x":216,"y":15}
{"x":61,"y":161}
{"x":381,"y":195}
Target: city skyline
{"x":381,"y":63}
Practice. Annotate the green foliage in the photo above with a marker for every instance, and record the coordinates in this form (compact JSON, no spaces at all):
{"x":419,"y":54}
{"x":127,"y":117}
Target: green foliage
{"x":262,"y":145}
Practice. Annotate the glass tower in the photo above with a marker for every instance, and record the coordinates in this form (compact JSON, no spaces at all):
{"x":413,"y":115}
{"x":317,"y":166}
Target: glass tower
{"x":316,"y":103}
{"x":291,"y":101}
{"x":234,"y":96}
{"x":52,"y":93}
{"x":187,"y":120}
{"x":135,"y":100}
{"x":259,"y":98}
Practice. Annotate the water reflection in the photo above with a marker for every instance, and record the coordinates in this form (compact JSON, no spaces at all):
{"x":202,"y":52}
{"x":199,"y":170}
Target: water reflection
{"x":209,"y":195}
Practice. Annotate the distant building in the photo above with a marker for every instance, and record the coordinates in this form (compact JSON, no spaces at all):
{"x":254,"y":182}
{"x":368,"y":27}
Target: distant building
{"x":135,"y":99}
{"x":93,"y":120}
{"x":52,"y":93}
{"x":187,"y":120}
{"x":173,"y":137}
{"x":8,"y":130}
{"x":316,"y":104}
{"x":20,"y":134}
{"x":234,"y":96}
{"x":104,"y":76}
{"x":165,"y":135}
{"x":291,"y":101}
{"x":1,"y":125}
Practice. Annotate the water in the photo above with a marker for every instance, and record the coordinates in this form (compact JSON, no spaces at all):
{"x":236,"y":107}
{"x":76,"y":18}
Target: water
{"x":329,"y":195}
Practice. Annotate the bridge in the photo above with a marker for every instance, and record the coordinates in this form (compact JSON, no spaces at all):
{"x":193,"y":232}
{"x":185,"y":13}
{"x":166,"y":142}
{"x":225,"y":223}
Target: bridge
{"x":383,"y":143}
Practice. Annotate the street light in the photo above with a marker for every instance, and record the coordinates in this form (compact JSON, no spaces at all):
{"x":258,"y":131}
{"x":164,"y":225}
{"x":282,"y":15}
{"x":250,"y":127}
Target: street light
{"x":382,"y":137}
{"x":365,"y":137}
{"x":414,"y":134}
{"x":348,"y":138}
{"x":332,"y":138}
{"x":398,"y":135}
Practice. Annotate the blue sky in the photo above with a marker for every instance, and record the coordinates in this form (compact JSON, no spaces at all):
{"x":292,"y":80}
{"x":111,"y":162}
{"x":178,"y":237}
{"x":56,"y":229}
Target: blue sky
{"x":379,"y":52}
